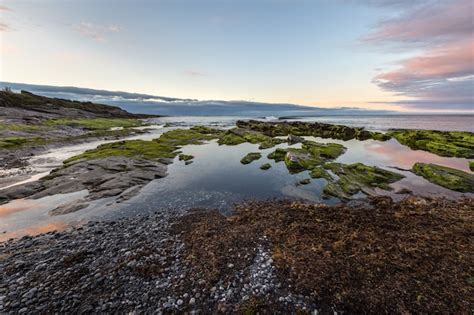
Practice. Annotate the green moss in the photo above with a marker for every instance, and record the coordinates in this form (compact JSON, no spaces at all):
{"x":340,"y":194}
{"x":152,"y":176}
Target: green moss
{"x":309,"y":157}
{"x":320,"y":172}
{"x":278,"y":155}
{"x":249,"y":158}
{"x":180,"y":137}
{"x":471,"y":165}
{"x":357,"y":177}
{"x":165,"y":146}
{"x":270,"y":144}
{"x":16,"y":142}
{"x":445,"y":176}
{"x":20,"y":127}
{"x":237,"y":136}
{"x":151,"y":150}
{"x":206,"y":130}
{"x":185,"y":157}
{"x":380,"y":136}
{"x":329,"y":150}
{"x":265,"y":166}
{"x":95,"y":123}
{"x":298,"y":128}
{"x":229,"y":138}
{"x":443,"y":143}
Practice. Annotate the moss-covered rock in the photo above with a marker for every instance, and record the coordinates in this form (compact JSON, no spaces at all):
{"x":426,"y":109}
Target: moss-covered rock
{"x":95,"y":123}
{"x":16,"y":142}
{"x":265,"y":166}
{"x":298,"y":128}
{"x":310,"y":156}
{"x":353,"y":178}
{"x":165,"y":146}
{"x":471,"y":165}
{"x":249,"y":158}
{"x":446,"y":177}
{"x":237,"y":136}
{"x":443,"y":143}
{"x":185,"y":157}
{"x":320,"y":172}
{"x":150,"y":150}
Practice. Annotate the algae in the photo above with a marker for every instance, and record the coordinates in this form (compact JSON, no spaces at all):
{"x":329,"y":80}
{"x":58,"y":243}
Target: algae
{"x":95,"y":123}
{"x":357,"y":177}
{"x":16,"y":142}
{"x":265,"y":166}
{"x":443,"y":143}
{"x":185,"y":157}
{"x":165,"y":146}
{"x":446,"y":177}
{"x":237,"y":136}
{"x":310,"y":156}
{"x":249,"y":158}
{"x":298,"y":128}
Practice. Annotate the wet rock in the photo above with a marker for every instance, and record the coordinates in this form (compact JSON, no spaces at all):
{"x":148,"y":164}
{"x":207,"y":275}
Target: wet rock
{"x":292,"y":139}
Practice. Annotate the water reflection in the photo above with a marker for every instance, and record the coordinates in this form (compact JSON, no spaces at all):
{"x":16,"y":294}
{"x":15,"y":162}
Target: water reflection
{"x":217,"y":179}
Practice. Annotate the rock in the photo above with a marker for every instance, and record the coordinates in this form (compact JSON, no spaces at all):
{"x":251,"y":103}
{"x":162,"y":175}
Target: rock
{"x":292,"y":139}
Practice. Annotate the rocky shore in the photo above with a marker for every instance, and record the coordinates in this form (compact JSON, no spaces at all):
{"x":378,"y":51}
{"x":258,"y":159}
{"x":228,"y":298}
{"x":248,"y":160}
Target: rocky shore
{"x":372,"y":256}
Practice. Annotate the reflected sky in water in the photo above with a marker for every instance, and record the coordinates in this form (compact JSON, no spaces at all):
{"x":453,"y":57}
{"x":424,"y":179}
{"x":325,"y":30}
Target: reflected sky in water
{"x":217,"y":179}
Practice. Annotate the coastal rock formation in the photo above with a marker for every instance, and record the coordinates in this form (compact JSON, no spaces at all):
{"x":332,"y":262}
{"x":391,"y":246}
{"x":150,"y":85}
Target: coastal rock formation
{"x":443,"y":143}
{"x":105,"y":177}
{"x":446,"y":177}
{"x":250,"y":157}
{"x":298,"y":128}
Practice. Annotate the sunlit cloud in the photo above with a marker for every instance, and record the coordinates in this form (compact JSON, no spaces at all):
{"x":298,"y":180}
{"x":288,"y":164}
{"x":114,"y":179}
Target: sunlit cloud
{"x":194,"y":73}
{"x":441,"y":76}
{"x":433,"y":22}
{"x":4,"y":27}
{"x":95,"y":31}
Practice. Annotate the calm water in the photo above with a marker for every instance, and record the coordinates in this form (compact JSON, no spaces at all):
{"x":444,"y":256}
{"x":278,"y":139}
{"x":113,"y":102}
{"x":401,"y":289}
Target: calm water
{"x":216,"y":179}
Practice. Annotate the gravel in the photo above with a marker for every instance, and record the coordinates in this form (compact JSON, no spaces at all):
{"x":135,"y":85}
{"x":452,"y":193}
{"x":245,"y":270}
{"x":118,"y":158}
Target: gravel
{"x":129,"y":265}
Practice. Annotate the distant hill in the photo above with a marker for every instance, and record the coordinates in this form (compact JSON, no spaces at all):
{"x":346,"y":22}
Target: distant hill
{"x":24,"y":104}
{"x":160,"y":105}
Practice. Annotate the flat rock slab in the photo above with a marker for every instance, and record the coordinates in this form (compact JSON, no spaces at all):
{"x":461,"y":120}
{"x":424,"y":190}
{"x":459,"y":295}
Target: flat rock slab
{"x":106,"y":177}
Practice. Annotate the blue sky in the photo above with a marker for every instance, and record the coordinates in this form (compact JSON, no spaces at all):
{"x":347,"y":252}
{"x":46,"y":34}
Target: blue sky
{"x":320,"y":53}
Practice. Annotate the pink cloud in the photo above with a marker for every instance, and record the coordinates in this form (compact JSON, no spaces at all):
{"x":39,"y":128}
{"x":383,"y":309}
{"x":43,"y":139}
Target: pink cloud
{"x":442,"y":75}
{"x":435,"y":21}
{"x":446,"y":62}
{"x":4,"y":8}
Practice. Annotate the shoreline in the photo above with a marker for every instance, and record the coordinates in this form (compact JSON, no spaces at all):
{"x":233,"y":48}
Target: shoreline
{"x":200,"y":261}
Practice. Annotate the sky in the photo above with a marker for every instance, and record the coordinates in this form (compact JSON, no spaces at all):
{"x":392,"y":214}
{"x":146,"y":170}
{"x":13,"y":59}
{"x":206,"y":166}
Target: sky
{"x":406,"y":55}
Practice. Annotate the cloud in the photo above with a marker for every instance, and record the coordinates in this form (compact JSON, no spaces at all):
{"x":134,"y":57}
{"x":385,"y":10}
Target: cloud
{"x":442,"y":74}
{"x":4,"y":8}
{"x":4,"y":27}
{"x":194,"y":73}
{"x":95,"y":31}
{"x":432,"y":22}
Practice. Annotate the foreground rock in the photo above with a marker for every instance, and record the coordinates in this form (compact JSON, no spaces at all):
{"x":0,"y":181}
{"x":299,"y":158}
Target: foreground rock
{"x":118,"y":169}
{"x":373,"y":257}
{"x":106,"y":177}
